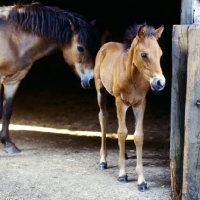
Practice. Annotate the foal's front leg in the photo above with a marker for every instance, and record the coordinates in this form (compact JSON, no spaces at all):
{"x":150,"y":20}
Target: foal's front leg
{"x":122,"y":135}
{"x":9,"y":92}
{"x":103,"y":118}
{"x":138,"y":140}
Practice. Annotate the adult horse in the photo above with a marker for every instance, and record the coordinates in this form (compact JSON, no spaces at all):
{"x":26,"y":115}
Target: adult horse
{"x":30,"y":32}
{"x":127,"y":71}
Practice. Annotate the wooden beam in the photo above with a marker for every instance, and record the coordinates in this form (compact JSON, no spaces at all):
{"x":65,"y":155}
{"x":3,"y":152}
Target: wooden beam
{"x":178,"y":92}
{"x":191,"y":162}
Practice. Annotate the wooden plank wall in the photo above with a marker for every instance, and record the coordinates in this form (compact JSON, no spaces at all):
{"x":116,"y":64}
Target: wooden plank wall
{"x":179,"y":73}
{"x":184,"y":159}
{"x":191,"y":163}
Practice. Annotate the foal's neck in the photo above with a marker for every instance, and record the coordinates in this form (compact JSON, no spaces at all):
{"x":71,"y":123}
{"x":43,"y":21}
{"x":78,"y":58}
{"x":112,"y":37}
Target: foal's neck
{"x":130,"y":67}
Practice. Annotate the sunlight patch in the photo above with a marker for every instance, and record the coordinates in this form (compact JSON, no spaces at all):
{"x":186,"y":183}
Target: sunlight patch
{"x":63,"y":131}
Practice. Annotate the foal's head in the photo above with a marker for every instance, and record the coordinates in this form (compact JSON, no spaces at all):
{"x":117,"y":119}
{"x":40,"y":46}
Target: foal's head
{"x":146,"y":54}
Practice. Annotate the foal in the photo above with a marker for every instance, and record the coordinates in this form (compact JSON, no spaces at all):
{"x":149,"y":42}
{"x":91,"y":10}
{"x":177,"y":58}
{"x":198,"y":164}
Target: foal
{"x":127,"y":71}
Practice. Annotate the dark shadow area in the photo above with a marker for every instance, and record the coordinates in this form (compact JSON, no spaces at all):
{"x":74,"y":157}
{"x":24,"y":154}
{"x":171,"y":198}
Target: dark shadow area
{"x":51,"y":73}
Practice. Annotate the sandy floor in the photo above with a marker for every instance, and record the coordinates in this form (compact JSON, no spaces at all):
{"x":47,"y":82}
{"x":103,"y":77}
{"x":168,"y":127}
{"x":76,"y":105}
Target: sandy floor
{"x":64,"y":165}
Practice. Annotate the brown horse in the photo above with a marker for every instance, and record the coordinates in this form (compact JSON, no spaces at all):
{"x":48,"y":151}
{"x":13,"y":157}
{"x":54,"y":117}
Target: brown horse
{"x":30,"y":32}
{"x":127,"y":71}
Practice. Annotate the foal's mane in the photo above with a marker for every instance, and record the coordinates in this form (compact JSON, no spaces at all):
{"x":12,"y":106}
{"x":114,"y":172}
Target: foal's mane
{"x":132,"y":31}
{"x":54,"y":24}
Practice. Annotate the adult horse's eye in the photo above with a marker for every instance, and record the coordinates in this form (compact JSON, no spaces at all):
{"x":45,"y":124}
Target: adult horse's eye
{"x":143,"y":55}
{"x":80,"y":49}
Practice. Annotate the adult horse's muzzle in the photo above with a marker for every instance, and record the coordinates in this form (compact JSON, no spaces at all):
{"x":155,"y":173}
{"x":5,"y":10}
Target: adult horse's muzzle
{"x":157,"y":84}
{"x":87,"y":79}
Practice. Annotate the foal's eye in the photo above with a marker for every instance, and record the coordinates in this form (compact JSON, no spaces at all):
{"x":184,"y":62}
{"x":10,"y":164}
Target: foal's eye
{"x":80,"y":49}
{"x":143,"y":55}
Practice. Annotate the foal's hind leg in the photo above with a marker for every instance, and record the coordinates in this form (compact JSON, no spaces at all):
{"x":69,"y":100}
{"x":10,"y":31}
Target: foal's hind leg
{"x":122,"y":135}
{"x":103,"y":117}
{"x":138,"y":139}
{"x":9,"y":92}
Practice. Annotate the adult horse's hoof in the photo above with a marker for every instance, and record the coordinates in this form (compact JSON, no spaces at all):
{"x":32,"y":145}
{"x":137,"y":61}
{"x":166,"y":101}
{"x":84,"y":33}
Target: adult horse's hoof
{"x":103,"y":166}
{"x":11,"y":149}
{"x":123,"y":179}
{"x":142,"y":187}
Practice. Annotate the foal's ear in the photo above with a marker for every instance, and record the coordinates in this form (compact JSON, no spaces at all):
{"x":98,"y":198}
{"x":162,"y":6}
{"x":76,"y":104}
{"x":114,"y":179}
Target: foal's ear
{"x":159,"y":31}
{"x":93,"y":22}
{"x":142,"y":32}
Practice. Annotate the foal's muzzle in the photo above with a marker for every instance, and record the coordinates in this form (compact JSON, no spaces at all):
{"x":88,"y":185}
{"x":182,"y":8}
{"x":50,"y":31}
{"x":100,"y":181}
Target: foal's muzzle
{"x":157,"y":84}
{"x":87,"y":79}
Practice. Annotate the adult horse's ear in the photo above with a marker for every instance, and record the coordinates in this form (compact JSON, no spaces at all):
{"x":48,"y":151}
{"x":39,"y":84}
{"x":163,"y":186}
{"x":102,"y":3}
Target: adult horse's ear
{"x":142,"y":31}
{"x":72,"y":26}
{"x":158,"y":32}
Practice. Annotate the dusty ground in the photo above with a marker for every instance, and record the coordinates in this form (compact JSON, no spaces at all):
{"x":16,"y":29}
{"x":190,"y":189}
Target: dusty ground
{"x":57,"y":166}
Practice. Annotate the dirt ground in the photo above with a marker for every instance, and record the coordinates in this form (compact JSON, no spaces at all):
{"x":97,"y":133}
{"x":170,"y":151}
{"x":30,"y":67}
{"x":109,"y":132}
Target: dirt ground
{"x":61,"y":163}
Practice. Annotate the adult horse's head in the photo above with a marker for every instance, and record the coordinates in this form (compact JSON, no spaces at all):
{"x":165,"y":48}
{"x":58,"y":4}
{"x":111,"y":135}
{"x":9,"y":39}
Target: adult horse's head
{"x":59,"y":29}
{"x":146,"y":54}
{"x":81,"y":50}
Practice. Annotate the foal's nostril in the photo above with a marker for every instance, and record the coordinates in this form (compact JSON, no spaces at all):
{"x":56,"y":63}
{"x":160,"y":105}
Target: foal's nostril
{"x":159,"y":83}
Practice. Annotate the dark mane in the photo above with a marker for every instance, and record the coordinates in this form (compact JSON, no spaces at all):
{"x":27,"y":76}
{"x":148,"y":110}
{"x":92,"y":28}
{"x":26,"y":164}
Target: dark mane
{"x":54,"y":24}
{"x":132,"y":31}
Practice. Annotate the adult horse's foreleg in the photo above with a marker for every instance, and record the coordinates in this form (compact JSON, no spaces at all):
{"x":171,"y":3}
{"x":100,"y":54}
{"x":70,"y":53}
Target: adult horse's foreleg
{"x":122,"y":135}
{"x":138,"y":140}
{"x":103,"y":118}
{"x":9,"y":92}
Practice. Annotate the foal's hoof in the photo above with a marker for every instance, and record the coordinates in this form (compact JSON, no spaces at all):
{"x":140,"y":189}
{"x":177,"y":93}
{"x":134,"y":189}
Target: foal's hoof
{"x":123,"y":179}
{"x":142,"y":187}
{"x":11,"y":149}
{"x":103,"y":166}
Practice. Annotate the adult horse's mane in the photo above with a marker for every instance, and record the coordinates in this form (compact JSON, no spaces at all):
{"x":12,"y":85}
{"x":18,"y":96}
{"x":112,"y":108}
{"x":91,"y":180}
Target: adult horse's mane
{"x":54,"y":23}
{"x":132,"y":31}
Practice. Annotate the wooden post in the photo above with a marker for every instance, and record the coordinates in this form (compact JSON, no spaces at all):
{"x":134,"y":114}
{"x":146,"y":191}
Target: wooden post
{"x":187,"y":14}
{"x":191,"y":163}
{"x":185,"y":126}
{"x":179,"y":70}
